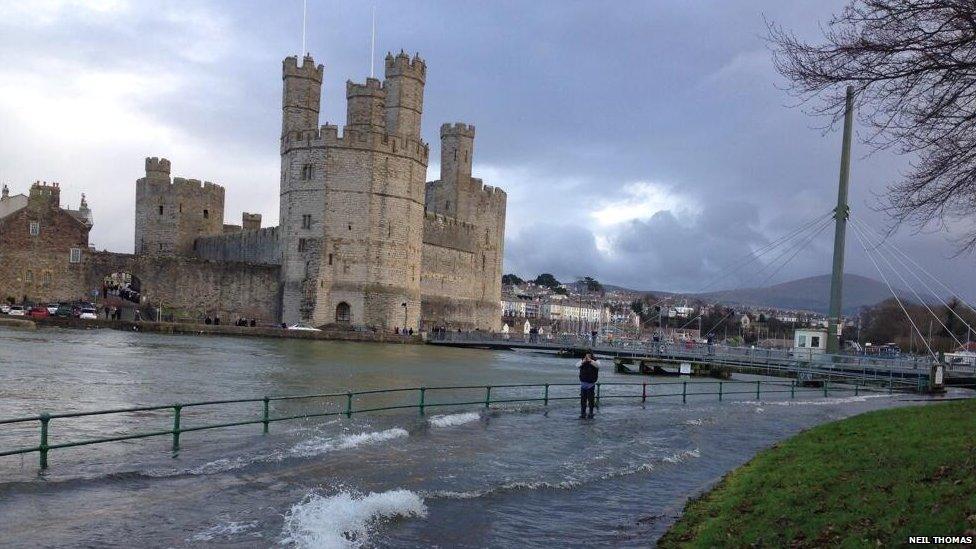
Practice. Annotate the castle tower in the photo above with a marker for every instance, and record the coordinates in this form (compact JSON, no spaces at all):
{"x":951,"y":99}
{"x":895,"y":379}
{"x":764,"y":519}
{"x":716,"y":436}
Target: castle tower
{"x":172,"y":213}
{"x":44,"y":196}
{"x":449,"y":195}
{"x":366,"y":106}
{"x":404,"y":86}
{"x":302,"y":94}
{"x":250,"y":221}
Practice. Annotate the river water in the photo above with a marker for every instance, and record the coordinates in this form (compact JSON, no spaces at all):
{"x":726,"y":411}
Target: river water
{"x":514,"y":475}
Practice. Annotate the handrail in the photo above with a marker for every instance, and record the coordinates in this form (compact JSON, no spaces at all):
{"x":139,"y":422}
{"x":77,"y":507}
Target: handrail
{"x":756,"y":388}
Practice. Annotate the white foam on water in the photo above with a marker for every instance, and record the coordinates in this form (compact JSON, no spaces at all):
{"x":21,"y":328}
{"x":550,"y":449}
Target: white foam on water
{"x":223,"y":530}
{"x":346,"y":520}
{"x":681,"y":457}
{"x":321,"y":445}
{"x":694,"y":422}
{"x":822,"y":401}
{"x":453,"y":420}
{"x":307,"y":448}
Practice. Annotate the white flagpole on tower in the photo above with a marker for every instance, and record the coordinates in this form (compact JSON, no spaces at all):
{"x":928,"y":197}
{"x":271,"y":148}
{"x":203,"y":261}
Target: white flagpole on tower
{"x":304,"y":18}
{"x":372,"y":44}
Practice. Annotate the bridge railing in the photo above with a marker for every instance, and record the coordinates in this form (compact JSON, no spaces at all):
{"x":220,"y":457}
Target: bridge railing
{"x":688,"y":349}
{"x":350,"y":403}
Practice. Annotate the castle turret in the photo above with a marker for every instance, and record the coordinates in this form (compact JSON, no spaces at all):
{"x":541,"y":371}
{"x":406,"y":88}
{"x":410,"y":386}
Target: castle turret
{"x":302,"y":95}
{"x":457,"y":149}
{"x":6,"y":192}
{"x":366,"y":105}
{"x":250,"y":221}
{"x":85,"y":211}
{"x":157,"y":168}
{"x":404,"y":86}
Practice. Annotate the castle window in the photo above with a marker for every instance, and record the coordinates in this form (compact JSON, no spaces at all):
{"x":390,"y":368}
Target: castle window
{"x":307,"y":171}
{"x":350,"y":226}
{"x":34,"y":228}
{"x":302,"y":244}
{"x":306,"y":221}
{"x":74,"y":256}
{"x":342,"y":312}
{"x":160,"y":210}
{"x":455,"y":154}
{"x":29,"y":276}
{"x":206,"y":214}
{"x":330,"y":259}
{"x":448,"y":206}
{"x":465,"y":156}
{"x":181,"y":208}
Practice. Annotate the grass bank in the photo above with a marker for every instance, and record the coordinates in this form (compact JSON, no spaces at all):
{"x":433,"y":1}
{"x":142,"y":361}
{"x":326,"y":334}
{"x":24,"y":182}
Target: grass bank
{"x":877,"y":478}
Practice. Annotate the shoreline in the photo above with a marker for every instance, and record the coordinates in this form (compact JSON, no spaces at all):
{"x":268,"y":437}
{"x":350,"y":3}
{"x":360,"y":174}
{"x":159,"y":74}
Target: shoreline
{"x":182,"y":328}
{"x":820,"y":473}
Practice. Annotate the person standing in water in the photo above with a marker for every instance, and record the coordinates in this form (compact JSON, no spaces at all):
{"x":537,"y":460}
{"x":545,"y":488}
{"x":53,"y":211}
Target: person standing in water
{"x":589,"y":372}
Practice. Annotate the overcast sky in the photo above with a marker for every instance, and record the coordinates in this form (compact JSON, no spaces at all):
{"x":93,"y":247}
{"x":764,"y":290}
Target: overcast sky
{"x":646,"y":144}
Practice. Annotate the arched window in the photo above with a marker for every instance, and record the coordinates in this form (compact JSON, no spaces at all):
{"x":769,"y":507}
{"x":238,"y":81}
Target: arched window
{"x":342,"y":312}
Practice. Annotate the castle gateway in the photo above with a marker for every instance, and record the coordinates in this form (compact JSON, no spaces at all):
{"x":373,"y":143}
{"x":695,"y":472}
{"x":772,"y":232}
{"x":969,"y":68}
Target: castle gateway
{"x":363,"y":239}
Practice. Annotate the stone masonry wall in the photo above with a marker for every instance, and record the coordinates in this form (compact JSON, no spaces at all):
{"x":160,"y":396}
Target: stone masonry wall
{"x":247,"y":246}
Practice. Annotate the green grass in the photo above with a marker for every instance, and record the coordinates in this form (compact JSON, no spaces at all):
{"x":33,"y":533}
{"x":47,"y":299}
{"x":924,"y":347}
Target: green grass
{"x":877,"y":478}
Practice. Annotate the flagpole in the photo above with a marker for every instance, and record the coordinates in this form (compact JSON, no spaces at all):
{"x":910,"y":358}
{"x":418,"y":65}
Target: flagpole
{"x":304,"y":19}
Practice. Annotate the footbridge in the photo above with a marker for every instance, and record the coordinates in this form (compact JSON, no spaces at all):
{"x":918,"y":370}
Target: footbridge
{"x":907,"y":372}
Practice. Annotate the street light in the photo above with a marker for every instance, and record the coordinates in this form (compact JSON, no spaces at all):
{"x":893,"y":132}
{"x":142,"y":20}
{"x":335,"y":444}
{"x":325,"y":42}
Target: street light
{"x":404,"y":305}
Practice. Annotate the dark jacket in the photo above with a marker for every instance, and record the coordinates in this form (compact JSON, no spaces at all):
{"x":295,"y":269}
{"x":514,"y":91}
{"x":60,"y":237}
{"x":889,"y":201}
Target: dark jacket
{"x":589,"y":372}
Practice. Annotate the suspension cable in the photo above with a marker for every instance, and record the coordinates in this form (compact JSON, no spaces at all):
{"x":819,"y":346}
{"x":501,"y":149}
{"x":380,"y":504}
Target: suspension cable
{"x":893,"y":294}
{"x":910,"y":287}
{"x":897,"y":253}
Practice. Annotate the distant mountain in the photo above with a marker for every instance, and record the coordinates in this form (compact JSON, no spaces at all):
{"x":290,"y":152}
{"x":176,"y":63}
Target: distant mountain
{"x":812,"y":294}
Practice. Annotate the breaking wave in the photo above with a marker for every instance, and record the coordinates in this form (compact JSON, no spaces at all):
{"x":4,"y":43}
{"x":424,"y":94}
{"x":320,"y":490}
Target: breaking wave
{"x":321,"y":445}
{"x":346,"y":520}
{"x":452,"y":420}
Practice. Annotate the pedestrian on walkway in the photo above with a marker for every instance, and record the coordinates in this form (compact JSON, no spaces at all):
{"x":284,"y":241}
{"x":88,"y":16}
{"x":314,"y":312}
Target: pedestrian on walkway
{"x":589,"y":373}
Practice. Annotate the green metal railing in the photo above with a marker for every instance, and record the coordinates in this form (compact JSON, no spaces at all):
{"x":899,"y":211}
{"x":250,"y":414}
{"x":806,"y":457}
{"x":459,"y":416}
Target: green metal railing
{"x":491,"y":396}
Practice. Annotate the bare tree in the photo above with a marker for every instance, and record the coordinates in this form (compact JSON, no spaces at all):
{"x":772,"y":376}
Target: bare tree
{"x":912,"y":64}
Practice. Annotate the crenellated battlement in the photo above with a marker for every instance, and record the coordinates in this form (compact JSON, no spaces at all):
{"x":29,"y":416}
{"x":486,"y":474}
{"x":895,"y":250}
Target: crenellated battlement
{"x":372,"y":88}
{"x":328,"y":136}
{"x":403,"y":65}
{"x":457,"y":128}
{"x":183,"y":183}
{"x":160,"y":166}
{"x":308,"y":68}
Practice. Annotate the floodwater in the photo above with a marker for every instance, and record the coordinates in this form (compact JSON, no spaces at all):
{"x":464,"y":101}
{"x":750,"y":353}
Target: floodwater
{"x":513,"y":475}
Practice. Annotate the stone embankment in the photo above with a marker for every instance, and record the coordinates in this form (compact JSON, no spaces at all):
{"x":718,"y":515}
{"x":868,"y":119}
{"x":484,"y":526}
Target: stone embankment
{"x":21,"y":323}
{"x":229,"y":330}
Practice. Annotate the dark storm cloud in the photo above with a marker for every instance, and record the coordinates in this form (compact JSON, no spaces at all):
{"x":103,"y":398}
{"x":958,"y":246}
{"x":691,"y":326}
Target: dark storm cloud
{"x":575,"y":103}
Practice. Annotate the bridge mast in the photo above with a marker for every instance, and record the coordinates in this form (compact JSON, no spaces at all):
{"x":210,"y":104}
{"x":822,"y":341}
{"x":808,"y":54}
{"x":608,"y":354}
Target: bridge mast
{"x":841,"y":213}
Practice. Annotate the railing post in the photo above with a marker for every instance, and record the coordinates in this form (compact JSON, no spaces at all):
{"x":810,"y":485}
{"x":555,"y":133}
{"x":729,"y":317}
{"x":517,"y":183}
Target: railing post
{"x":825,"y":388}
{"x":597,"y":395}
{"x":720,"y":391}
{"x":684,"y":392}
{"x":176,"y":427}
{"x":757,"y":388}
{"x":793,"y":388}
{"x":643,"y":392}
{"x":487,"y":396}
{"x":422,"y":391}
{"x":42,"y":449}
{"x":856,"y":387}
{"x":545,"y":396}
{"x":349,"y":404}
{"x":264,"y":420}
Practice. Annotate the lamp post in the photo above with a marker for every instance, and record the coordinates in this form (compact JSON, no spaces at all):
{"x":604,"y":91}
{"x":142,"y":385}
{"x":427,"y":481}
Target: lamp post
{"x":404,"y":305}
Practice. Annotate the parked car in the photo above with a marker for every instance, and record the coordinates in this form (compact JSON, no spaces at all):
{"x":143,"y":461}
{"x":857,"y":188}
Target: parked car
{"x":5,"y":309}
{"x":64,"y":311}
{"x":52,"y":308}
{"x":88,"y":314}
{"x":38,"y":312}
{"x":17,"y":310}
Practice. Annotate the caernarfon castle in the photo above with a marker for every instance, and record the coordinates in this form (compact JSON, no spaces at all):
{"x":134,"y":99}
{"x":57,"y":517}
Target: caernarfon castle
{"x":363,"y":239}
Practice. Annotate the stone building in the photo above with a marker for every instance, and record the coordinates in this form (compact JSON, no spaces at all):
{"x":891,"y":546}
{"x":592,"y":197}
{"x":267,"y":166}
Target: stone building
{"x":363,"y":239}
{"x":41,"y":243}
